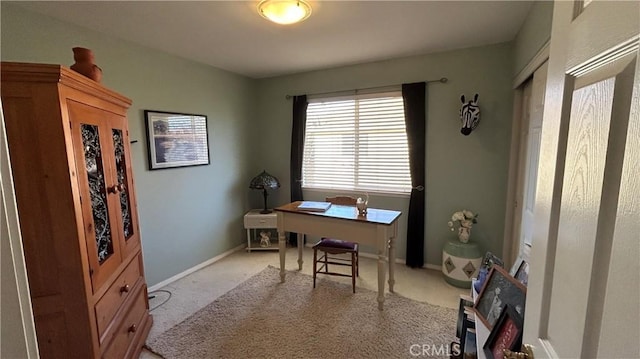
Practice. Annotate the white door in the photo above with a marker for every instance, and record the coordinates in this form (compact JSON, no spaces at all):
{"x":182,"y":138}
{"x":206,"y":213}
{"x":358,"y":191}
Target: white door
{"x":535,"y":107}
{"x":584,"y":285}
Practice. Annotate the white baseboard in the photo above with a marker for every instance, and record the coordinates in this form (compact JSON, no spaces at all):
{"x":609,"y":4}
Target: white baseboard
{"x":243,"y":246}
{"x":402,"y":261}
{"x":196,"y":268}
{"x":433,"y":266}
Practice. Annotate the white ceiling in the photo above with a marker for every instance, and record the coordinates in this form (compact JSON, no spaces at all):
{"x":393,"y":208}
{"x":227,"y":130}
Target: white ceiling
{"x":231,"y":35}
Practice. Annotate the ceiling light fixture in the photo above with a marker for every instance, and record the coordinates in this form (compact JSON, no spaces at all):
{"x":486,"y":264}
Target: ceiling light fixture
{"x":284,"y":12}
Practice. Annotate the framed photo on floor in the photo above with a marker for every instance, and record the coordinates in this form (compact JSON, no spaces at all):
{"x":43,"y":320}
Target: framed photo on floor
{"x":464,"y":303}
{"x":176,"y":139}
{"x":522,"y":274}
{"x":499,"y":289}
{"x":516,"y":265}
{"x":506,"y":334}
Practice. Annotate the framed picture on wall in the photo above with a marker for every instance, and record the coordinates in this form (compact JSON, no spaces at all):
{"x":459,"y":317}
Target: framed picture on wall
{"x":176,"y":139}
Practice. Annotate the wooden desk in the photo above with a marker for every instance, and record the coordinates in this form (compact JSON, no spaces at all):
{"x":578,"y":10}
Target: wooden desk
{"x":378,"y":228}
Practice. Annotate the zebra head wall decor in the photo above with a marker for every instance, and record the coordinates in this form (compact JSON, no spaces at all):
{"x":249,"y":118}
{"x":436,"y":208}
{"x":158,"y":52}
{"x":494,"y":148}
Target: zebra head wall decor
{"x":469,"y":115}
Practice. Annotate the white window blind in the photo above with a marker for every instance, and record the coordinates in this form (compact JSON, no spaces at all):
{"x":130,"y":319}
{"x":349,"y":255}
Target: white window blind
{"x":357,"y":143}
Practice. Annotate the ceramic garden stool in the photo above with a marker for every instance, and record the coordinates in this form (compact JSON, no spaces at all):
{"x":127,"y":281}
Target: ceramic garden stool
{"x":461,"y":262}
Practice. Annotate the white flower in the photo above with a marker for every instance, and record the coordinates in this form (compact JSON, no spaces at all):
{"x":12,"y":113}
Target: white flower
{"x":462,"y":219}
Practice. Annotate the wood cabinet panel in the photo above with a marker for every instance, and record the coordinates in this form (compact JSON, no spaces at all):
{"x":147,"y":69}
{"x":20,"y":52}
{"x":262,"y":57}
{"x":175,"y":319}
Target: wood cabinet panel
{"x":49,"y":113}
{"x":116,"y":295}
{"x":129,"y":326}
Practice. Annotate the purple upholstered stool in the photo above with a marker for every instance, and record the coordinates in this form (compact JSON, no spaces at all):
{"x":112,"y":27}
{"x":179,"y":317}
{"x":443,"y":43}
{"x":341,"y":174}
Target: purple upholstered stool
{"x":335,"y":247}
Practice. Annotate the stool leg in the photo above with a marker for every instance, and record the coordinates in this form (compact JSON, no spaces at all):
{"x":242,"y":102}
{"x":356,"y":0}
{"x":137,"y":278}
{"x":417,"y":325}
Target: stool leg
{"x":354,"y":268}
{"x":358,"y":263}
{"x":326,"y":262}
{"x":315,"y":264}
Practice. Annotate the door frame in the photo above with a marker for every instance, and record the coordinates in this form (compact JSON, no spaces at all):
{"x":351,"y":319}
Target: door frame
{"x":10,"y":232}
{"x":515,"y":153}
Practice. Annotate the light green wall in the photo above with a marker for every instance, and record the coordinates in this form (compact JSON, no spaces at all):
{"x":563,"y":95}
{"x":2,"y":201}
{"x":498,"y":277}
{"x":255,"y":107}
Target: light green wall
{"x":187,"y":215}
{"x":462,"y":172}
{"x":534,"y":33}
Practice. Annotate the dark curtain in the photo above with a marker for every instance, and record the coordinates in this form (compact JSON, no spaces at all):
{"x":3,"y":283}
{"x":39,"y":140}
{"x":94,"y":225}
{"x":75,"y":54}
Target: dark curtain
{"x":297,"y":148}
{"x":414,"y":97}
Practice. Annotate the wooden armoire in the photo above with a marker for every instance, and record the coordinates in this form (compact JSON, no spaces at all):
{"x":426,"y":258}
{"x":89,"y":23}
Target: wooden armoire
{"x":70,"y":157}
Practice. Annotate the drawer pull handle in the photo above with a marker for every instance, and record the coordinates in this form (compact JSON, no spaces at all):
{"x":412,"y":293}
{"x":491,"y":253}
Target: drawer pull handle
{"x":125,"y":288}
{"x":132,"y":328}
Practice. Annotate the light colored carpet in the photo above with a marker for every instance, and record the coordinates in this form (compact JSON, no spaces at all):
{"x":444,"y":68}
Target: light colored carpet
{"x":264,"y":318}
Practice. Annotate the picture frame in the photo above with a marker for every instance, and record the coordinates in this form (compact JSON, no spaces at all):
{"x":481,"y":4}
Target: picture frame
{"x":470,"y":347}
{"x":488,"y":261}
{"x":469,"y":322}
{"x":522,"y":273}
{"x":464,"y":303}
{"x":499,"y":289}
{"x":176,"y":139}
{"x":516,"y":265}
{"x":491,"y":260}
{"x":506,"y":334}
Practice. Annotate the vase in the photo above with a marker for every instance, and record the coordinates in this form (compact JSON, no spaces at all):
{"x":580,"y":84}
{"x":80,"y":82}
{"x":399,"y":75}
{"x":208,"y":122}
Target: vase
{"x":84,"y":64}
{"x":362,"y":206}
{"x":460,"y":262}
{"x":463,"y":234}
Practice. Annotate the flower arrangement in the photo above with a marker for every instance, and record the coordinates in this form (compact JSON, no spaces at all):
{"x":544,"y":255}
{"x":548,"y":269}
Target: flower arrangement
{"x":464,"y":220}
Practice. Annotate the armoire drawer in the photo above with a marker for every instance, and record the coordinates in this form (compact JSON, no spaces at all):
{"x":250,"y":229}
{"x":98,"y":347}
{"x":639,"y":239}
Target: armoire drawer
{"x":126,"y":329}
{"x":117,"y":293}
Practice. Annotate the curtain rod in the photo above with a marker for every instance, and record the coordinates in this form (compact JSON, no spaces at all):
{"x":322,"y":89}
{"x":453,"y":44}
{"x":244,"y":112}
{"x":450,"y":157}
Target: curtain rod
{"x":441,"y":80}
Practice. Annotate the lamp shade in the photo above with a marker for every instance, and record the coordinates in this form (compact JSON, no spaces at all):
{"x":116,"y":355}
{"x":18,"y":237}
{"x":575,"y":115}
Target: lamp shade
{"x":284,"y":12}
{"x":264,"y":181}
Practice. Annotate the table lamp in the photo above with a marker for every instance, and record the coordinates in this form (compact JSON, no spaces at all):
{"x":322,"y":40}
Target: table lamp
{"x":264,"y":181}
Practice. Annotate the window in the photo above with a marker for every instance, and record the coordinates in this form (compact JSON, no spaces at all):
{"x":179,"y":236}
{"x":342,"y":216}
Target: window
{"x":357,"y":143}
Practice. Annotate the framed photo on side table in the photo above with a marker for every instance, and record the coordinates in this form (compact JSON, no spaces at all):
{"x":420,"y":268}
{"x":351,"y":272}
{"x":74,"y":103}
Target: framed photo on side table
{"x":506,"y":334}
{"x":499,"y":289}
{"x":176,"y":139}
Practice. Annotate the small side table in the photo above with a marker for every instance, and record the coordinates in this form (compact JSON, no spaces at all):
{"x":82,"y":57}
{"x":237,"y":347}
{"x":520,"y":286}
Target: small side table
{"x":255,"y":221}
{"x":461,"y":262}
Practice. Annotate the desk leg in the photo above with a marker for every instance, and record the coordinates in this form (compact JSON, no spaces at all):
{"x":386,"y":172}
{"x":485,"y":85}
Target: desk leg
{"x":392,"y":257}
{"x":382,"y":248}
{"x":300,"y":249}
{"x":282,"y":249}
